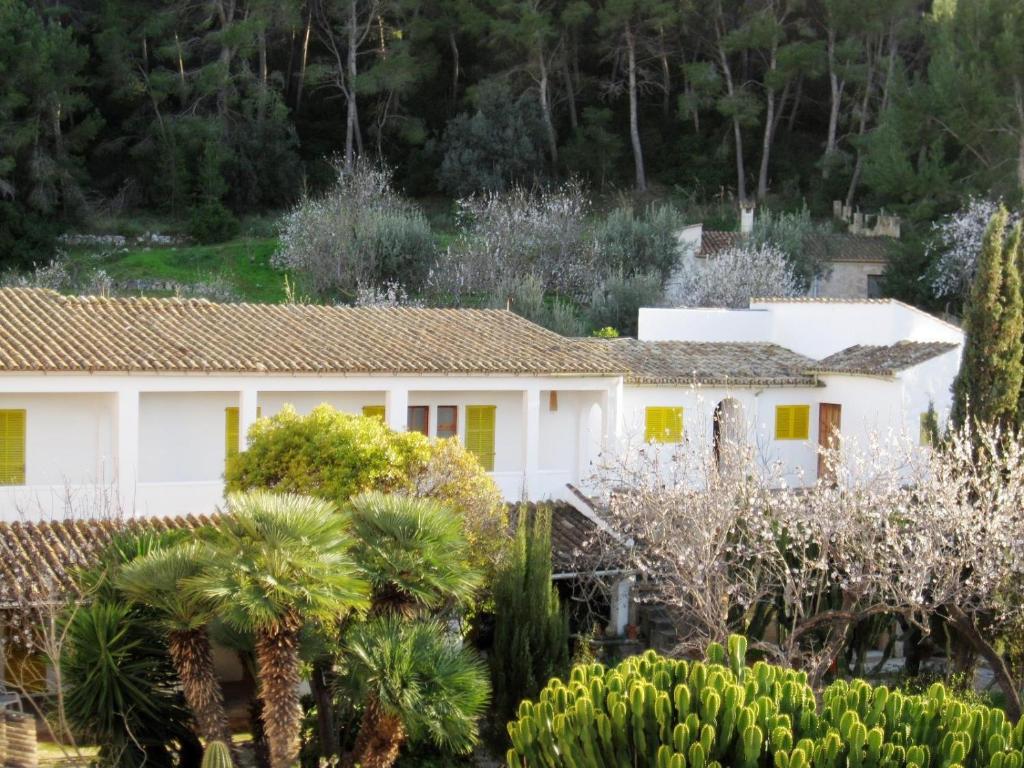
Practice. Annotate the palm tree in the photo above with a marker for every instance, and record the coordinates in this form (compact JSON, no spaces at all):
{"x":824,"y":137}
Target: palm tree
{"x":418,"y":683}
{"x":275,"y":562}
{"x":155,"y":580}
{"x":413,"y":552}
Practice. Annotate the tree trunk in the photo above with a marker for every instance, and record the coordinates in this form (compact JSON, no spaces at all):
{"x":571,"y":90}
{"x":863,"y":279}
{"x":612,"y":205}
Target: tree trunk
{"x":453,"y":44}
{"x":797,"y":97}
{"x":836,"y":86}
{"x":862,"y":129}
{"x":380,"y":738}
{"x":666,"y":82}
{"x":969,"y":631}
{"x":277,"y":654}
{"x":319,"y":684}
{"x":545,"y":108}
{"x":570,"y":91}
{"x":192,"y":656}
{"x":352,"y":117}
{"x":634,"y":124}
{"x":305,"y":59}
{"x":737,"y":131}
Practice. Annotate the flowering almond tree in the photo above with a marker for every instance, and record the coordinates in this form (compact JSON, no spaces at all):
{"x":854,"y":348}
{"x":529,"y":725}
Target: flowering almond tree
{"x":899,"y":532}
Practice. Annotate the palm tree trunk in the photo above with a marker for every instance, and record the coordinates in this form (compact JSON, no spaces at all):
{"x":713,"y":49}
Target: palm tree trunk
{"x":380,"y":738}
{"x":193,"y":659}
{"x":277,"y":654}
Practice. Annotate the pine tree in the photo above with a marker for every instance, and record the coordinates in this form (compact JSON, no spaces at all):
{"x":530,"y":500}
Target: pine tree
{"x":988,"y":387}
{"x":531,"y":633}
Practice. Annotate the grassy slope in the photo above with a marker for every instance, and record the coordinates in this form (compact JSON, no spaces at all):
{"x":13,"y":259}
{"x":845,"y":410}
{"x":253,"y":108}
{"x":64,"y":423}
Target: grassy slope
{"x":244,"y":262}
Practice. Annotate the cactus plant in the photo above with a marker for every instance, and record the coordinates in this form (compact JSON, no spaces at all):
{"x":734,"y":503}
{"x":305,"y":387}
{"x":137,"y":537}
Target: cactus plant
{"x":216,"y":755}
{"x":662,"y":713}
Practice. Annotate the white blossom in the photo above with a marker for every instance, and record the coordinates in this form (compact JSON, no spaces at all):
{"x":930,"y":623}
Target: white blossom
{"x":733,"y":276}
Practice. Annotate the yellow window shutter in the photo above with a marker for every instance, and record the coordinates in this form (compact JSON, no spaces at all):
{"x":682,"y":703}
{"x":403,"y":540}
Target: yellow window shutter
{"x":480,"y":434}
{"x":792,"y":422}
{"x":376,"y":411}
{"x":12,"y":447}
{"x":663,"y":424}
{"x":230,"y":432}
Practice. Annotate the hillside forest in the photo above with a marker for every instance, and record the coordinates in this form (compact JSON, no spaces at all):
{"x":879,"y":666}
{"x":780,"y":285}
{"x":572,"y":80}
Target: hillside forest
{"x":212,"y":111}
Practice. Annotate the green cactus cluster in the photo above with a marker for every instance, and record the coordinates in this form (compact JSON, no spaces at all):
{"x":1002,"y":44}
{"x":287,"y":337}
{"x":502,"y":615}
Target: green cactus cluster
{"x":216,"y":755}
{"x":719,"y":713}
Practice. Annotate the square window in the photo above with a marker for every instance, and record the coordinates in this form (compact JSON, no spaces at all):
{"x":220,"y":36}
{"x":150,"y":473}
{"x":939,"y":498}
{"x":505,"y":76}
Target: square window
{"x":447,"y":420}
{"x":419,"y":419}
{"x":792,"y":422}
{"x":663,"y":424}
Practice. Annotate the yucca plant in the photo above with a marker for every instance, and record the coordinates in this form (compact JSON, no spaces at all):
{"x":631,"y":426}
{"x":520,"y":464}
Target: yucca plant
{"x":155,"y":580}
{"x":275,"y":562}
{"x":418,"y":684}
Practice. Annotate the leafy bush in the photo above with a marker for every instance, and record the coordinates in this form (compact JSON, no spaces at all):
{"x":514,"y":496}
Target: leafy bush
{"x":494,"y":147}
{"x":531,"y":631}
{"x":616,"y":303}
{"x":360,"y":233}
{"x":635,"y":244}
{"x":733,"y":276}
{"x":672,"y":714}
{"x":789,"y":233}
{"x":328,"y":453}
{"x":211,"y":222}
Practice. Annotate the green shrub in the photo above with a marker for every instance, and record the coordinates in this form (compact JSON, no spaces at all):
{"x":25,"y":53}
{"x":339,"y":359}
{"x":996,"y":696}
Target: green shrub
{"x":531,"y":629}
{"x":667,"y":713}
{"x":616,"y":303}
{"x":211,"y":222}
{"x":633,"y":244}
{"x":327,"y":453}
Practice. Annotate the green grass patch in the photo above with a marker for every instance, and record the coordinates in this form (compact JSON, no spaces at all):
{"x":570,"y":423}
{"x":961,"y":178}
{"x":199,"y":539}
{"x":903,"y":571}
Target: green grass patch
{"x":244,"y":263}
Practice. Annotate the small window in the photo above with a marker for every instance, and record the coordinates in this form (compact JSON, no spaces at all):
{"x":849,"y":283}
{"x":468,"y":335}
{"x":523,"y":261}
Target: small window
{"x":874,"y":287}
{"x":480,"y":434}
{"x":792,"y":422}
{"x":419,"y":419}
{"x":12,"y":447}
{"x":374,"y":411}
{"x":447,"y":420}
{"x":663,"y":424}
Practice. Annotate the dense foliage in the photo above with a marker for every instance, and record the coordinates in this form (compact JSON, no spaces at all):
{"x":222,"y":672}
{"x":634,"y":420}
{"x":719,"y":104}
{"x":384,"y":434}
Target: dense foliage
{"x":531,"y":633}
{"x":669,"y":713}
{"x":209,"y":109}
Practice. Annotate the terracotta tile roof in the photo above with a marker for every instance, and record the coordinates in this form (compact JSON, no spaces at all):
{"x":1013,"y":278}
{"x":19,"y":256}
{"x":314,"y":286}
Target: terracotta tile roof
{"x":882,"y":360}
{"x":718,"y":363}
{"x":41,"y":330}
{"x":38,"y":559}
{"x":822,"y":247}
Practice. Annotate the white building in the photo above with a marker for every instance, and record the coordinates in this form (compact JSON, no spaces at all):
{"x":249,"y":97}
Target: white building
{"x":137,"y":402}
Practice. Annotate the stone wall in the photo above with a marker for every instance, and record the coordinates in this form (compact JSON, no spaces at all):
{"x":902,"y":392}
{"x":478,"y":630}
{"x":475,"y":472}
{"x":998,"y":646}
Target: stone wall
{"x":847,"y":280}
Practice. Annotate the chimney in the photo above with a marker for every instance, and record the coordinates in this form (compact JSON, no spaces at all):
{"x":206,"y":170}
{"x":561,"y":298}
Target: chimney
{"x":689,"y":239}
{"x":746,"y":218}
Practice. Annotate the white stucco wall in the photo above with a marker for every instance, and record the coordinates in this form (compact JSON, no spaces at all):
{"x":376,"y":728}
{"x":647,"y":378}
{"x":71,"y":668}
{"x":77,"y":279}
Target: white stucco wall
{"x":814,"y":329}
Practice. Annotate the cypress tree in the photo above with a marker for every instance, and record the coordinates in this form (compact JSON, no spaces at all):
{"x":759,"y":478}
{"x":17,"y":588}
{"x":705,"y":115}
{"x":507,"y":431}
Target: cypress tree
{"x":531,"y":632}
{"x":988,"y":387}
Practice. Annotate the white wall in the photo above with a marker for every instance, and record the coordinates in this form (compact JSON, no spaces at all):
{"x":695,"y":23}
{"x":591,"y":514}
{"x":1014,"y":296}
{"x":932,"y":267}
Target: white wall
{"x":816,"y":329}
{"x":68,"y":438}
{"x":181,"y":436}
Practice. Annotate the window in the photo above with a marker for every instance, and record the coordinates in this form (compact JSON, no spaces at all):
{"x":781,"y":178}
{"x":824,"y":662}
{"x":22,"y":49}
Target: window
{"x":12,"y":447}
{"x":663,"y":424}
{"x":231,"y":430}
{"x":480,"y":434}
{"x":419,"y":419}
{"x":792,"y":422}
{"x":376,"y":411}
{"x":447,"y":420}
{"x":874,"y":286}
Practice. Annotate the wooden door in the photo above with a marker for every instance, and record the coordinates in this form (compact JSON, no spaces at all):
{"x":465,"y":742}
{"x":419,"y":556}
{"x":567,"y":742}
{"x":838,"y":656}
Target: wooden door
{"x":830,"y":417}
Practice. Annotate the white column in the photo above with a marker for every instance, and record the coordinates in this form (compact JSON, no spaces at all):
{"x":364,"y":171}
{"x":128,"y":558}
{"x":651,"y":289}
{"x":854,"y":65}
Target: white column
{"x":531,"y":442}
{"x":611,"y":415}
{"x":396,"y":409}
{"x":621,"y":596}
{"x":248,"y":412}
{"x":127,"y":476}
